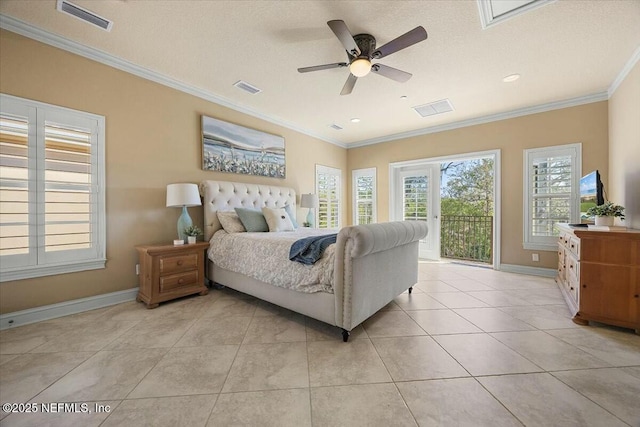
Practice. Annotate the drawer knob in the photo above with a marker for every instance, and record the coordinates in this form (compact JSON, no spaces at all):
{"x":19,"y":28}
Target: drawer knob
{"x":584,"y":286}
{"x":180,"y":262}
{"x":636,"y":296}
{"x":571,"y":288}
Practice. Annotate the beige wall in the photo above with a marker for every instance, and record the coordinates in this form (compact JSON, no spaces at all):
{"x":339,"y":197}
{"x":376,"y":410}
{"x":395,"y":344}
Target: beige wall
{"x":624,"y":147}
{"x":586,"y":124}
{"x":152,"y":139}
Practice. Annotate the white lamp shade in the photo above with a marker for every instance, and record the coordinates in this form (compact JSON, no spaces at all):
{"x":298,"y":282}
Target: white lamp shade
{"x":309,"y":201}
{"x":183,"y":194}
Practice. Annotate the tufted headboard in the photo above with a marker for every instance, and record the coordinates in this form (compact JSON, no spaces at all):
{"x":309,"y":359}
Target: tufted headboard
{"x":225,"y":196}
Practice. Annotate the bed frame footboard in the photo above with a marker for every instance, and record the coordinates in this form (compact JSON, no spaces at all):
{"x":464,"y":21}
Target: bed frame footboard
{"x":374,"y":264}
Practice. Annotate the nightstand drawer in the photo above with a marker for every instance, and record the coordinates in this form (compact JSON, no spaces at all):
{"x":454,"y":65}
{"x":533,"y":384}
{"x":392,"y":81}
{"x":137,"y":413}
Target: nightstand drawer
{"x":174,"y":264}
{"x":174,"y":281}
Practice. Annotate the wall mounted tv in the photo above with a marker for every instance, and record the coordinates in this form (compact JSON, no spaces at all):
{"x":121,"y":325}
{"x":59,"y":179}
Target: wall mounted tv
{"x":591,"y":194}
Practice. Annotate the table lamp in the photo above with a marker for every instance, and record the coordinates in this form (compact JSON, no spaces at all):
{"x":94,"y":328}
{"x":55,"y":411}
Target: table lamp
{"x":309,"y":201}
{"x":183,"y":195}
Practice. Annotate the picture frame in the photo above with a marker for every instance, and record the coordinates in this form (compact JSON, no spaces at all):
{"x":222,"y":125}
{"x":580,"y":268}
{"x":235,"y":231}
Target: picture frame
{"x":227,"y":147}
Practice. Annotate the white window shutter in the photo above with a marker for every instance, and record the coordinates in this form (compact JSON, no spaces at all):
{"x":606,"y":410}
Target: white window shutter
{"x":551,"y":188}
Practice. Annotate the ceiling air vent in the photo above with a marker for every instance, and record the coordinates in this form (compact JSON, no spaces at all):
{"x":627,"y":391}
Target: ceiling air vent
{"x":335,"y":126}
{"x":83,"y":14}
{"x":433,"y":108}
{"x":247,"y":87}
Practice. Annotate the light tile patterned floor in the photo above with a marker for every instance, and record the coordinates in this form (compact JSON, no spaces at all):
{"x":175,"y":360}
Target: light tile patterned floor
{"x":470,"y":346}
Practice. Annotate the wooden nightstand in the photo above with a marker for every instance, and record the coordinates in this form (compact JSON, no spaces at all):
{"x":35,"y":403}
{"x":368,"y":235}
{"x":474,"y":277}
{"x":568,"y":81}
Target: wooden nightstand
{"x":168,"y":272}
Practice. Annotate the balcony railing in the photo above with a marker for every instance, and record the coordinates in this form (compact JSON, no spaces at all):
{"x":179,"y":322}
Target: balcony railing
{"x":467,"y":237}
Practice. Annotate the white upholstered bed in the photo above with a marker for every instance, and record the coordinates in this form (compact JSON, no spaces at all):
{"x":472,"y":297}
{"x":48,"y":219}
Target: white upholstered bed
{"x":372,"y":263}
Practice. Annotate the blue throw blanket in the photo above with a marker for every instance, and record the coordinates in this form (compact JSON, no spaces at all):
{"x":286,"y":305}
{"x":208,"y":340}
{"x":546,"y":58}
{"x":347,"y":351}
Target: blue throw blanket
{"x":310,"y":249}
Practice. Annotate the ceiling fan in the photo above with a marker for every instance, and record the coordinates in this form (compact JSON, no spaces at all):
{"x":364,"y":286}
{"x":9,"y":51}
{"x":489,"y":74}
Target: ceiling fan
{"x":361,"y":49}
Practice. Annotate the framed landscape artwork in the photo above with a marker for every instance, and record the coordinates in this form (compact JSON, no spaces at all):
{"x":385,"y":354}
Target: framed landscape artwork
{"x":231,"y":148}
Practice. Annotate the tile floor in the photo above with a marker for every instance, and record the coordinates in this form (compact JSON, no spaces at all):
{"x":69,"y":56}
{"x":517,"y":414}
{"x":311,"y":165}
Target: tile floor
{"x":470,"y":346}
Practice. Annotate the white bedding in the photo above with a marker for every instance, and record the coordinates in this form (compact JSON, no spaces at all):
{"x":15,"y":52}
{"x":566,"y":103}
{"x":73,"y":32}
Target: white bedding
{"x":265,"y":257}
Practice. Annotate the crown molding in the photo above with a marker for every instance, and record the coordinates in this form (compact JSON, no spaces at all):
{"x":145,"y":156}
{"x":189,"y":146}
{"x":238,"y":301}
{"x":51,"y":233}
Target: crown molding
{"x":635,"y":57}
{"x":20,"y":27}
{"x":588,"y":99}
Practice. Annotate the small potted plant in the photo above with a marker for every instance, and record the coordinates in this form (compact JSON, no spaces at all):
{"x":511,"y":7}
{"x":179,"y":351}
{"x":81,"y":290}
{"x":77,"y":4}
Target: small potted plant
{"x":606,"y":213}
{"x":192,"y":233}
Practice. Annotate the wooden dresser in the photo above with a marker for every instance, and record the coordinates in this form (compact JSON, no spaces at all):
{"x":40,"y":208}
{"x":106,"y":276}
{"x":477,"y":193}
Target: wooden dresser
{"x":168,"y":272}
{"x":599,"y":275}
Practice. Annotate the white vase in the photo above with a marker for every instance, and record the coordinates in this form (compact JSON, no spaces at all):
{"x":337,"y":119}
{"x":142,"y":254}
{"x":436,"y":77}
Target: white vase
{"x":604,"y":220}
{"x":191,"y":239}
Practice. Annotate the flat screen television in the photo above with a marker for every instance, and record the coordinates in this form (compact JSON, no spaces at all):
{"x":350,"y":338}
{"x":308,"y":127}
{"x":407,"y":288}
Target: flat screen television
{"x":591,"y":194}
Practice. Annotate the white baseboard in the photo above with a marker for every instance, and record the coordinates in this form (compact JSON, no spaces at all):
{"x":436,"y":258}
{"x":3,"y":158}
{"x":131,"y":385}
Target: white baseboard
{"x":533,"y":271}
{"x":32,"y":315}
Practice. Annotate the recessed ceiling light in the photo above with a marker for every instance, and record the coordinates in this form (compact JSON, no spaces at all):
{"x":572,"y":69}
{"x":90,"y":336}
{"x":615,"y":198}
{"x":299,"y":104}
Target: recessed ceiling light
{"x":355,"y":120}
{"x":511,"y":78}
{"x":403,"y":97}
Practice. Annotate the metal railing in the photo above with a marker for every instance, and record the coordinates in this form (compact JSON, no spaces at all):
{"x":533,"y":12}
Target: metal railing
{"x":467,"y":237}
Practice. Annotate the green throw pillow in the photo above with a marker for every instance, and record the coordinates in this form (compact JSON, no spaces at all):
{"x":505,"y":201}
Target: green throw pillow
{"x":252,"y":220}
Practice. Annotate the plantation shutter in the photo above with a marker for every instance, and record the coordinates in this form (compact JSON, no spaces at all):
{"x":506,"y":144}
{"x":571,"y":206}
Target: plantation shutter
{"x":52,"y":205}
{"x":551,"y":188}
{"x":550,"y":194}
{"x":17,"y":187}
{"x":69,"y":216}
{"x":328,"y":191}
{"x":364,"y":185}
{"x":415,"y":195}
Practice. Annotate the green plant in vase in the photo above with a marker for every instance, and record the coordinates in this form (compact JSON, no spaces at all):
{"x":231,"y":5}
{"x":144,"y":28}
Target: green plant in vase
{"x":606,"y":213}
{"x":192,"y":233}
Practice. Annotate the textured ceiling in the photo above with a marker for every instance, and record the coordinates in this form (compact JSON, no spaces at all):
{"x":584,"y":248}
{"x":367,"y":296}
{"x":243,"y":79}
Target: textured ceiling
{"x":563,"y":50}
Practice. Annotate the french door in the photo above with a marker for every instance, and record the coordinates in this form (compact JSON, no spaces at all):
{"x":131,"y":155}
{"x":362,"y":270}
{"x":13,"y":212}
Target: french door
{"x":417,"y":198}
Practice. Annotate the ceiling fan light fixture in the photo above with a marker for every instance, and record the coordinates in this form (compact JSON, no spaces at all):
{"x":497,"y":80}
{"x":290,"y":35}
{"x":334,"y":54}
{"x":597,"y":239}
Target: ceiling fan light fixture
{"x":360,"y":67}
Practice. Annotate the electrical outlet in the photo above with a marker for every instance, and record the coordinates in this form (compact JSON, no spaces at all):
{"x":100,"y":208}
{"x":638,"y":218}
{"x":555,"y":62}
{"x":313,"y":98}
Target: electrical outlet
{"x":535,"y":257}
{"x":137,"y":269}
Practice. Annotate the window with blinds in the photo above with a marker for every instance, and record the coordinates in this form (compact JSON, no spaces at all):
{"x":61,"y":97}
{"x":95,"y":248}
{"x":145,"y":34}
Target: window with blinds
{"x":328,"y":191}
{"x":551,"y":188}
{"x":364,"y":196}
{"x":52,"y":206}
{"x":14,"y":186}
{"x":415,"y":197}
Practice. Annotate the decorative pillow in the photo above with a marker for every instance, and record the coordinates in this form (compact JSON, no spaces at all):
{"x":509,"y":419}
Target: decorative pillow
{"x":230,"y":222}
{"x":277,"y":219}
{"x":252,"y":220}
{"x":292,"y":215}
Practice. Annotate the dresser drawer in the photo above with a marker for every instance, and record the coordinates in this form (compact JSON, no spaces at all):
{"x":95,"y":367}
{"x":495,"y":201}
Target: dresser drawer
{"x":573,"y":269}
{"x":181,"y":280}
{"x":174,"y":264}
{"x":574,"y":246}
{"x":574,"y":287}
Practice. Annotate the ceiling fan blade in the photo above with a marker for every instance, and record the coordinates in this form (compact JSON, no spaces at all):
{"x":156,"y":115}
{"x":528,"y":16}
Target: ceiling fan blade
{"x":391,"y":73}
{"x":322,"y":67}
{"x":349,"y":84}
{"x":407,"y":39}
{"x":343,"y":34}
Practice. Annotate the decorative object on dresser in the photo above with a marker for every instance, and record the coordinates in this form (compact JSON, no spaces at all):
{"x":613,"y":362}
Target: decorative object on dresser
{"x":606,"y":213}
{"x":183,"y":195}
{"x":227,"y":147}
{"x":168,"y":272}
{"x":599,"y":275}
{"x":309,"y":201}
